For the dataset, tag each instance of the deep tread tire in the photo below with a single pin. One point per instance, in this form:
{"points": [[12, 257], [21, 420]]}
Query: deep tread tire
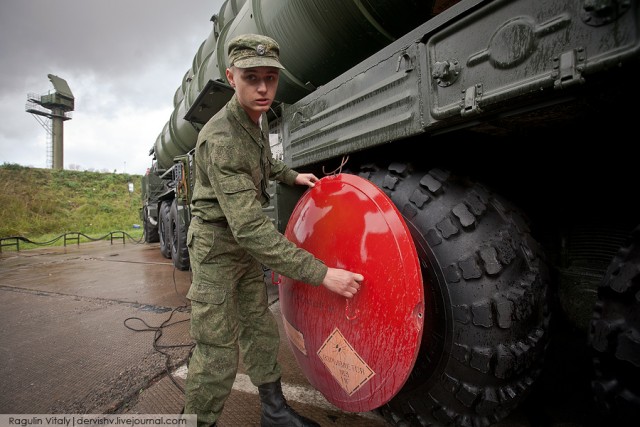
{"points": [[486, 291], [614, 336], [150, 231], [164, 227], [178, 239]]}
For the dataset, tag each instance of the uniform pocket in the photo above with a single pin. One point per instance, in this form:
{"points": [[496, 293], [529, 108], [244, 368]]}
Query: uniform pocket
{"points": [[236, 183], [221, 247], [211, 323], [209, 276], [190, 237], [205, 292], [201, 242]]}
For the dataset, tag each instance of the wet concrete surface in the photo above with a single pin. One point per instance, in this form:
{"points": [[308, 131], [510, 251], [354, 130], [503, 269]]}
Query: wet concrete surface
{"points": [[103, 328]]}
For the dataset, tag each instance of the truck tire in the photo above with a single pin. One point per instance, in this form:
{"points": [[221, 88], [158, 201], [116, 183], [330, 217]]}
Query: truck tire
{"points": [[178, 239], [150, 231], [164, 225], [614, 337], [486, 300]]}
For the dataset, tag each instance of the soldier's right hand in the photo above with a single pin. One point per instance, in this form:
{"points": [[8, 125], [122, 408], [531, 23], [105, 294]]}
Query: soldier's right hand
{"points": [[342, 282]]}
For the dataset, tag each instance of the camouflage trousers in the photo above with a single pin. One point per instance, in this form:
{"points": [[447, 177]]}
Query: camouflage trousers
{"points": [[230, 318]]}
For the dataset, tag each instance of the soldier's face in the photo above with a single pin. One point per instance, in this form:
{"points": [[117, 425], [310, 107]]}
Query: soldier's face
{"points": [[255, 88]]}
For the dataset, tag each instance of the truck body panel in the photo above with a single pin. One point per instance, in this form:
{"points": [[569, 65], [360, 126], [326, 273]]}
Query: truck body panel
{"points": [[489, 61]]}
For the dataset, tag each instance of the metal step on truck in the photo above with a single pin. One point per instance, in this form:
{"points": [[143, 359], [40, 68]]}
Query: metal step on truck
{"points": [[492, 141]]}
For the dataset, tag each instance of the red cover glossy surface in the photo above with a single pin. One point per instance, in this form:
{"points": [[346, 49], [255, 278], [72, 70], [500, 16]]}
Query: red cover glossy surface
{"points": [[357, 352]]}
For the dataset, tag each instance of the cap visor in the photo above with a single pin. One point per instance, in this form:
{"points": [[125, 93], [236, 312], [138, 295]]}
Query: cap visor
{"points": [[258, 62]]}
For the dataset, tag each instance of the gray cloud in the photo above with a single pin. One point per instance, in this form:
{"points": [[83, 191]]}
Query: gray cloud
{"points": [[123, 60]]}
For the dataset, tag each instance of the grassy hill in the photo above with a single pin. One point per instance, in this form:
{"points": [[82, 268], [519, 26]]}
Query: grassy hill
{"points": [[41, 204]]}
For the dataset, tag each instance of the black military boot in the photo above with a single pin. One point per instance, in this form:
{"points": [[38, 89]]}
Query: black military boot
{"points": [[276, 412]]}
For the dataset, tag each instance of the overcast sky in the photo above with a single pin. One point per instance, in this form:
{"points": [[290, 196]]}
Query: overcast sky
{"points": [[123, 61]]}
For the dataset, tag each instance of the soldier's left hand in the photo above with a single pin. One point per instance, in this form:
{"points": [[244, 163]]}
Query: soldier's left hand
{"points": [[308, 179]]}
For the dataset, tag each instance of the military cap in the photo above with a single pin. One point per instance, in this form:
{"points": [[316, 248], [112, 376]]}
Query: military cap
{"points": [[254, 50]]}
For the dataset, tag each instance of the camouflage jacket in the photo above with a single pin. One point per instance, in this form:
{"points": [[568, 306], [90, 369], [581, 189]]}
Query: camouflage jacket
{"points": [[234, 165]]}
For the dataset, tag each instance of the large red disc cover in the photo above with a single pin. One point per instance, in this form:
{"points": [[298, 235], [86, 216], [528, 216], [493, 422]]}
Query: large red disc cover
{"points": [[357, 352]]}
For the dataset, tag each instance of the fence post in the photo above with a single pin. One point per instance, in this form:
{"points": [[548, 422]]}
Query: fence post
{"points": [[16, 243], [77, 238], [118, 237]]}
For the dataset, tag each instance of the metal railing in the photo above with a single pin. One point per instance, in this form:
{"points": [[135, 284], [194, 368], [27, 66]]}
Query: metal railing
{"points": [[74, 236]]}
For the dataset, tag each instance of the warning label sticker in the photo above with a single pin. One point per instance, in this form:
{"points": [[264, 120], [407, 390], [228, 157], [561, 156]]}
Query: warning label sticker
{"points": [[295, 336], [344, 364]]}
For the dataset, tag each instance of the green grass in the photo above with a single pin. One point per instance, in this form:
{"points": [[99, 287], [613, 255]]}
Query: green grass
{"points": [[45, 205]]}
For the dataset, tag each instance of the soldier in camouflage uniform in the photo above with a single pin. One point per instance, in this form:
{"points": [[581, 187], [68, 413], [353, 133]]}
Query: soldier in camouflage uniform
{"points": [[230, 238]]}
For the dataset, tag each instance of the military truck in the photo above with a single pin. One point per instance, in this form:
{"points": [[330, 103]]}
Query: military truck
{"points": [[502, 132]]}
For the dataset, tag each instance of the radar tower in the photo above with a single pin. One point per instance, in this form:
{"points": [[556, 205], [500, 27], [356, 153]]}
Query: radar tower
{"points": [[60, 102]]}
